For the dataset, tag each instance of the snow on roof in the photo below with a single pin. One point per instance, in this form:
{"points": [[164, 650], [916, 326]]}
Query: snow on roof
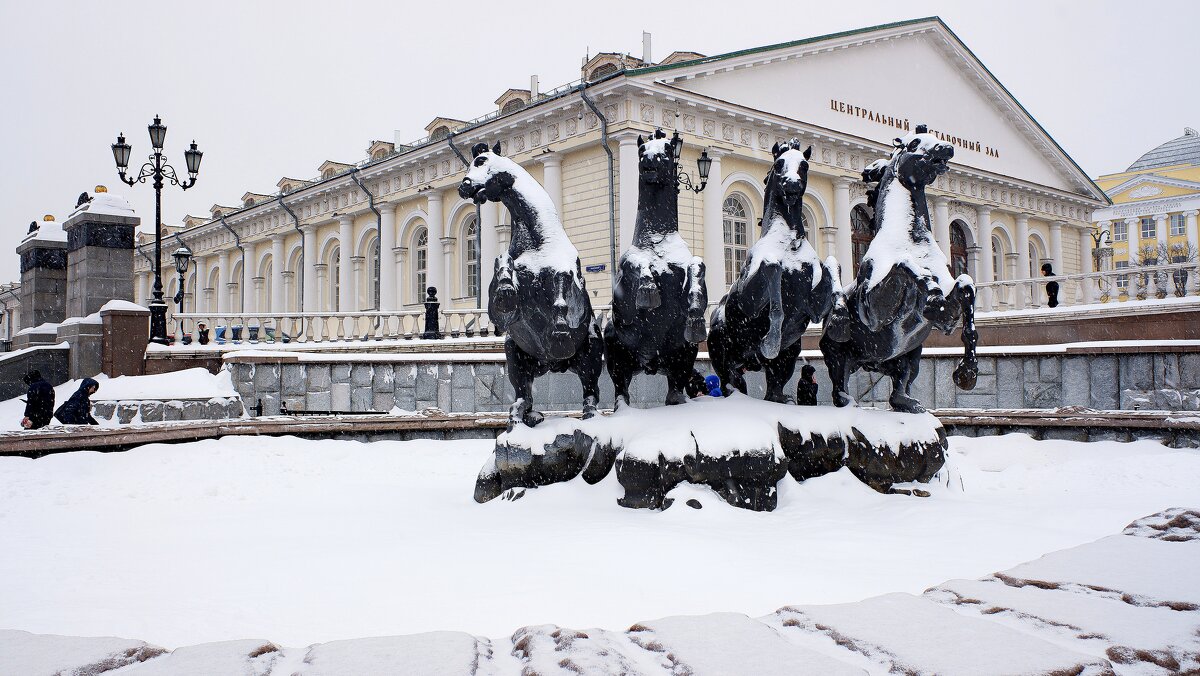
{"points": [[105, 204], [117, 304], [48, 327]]}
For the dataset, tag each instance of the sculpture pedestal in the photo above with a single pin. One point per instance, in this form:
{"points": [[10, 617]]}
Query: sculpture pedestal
{"points": [[738, 446]]}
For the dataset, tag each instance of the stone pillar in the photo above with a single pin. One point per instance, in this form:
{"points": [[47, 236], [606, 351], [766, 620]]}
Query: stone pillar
{"points": [[309, 282], [43, 276], [983, 237], [434, 276], [100, 237], [627, 174], [1024, 293], [387, 267], [941, 224], [345, 274], [359, 263], [1133, 229], [841, 221], [1193, 236], [277, 302], [320, 275], [552, 179], [1161, 229], [447, 269], [252, 299], [223, 282], [288, 283], [247, 292], [489, 218], [1056, 248], [123, 349], [200, 264], [714, 230], [400, 254]]}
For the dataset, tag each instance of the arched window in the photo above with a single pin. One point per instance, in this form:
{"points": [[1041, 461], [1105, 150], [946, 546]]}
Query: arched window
{"points": [[329, 173], [860, 234], [1035, 262], [420, 263], [997, 258], [600, 71], [512, 106], [439, 133], [470, 264], [958, 249], [373, 274], [287, 187], [736, 226], [380, 154], [335, 279]]}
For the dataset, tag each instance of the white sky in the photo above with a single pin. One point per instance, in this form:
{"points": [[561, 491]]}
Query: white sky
{"points": [[275, 88]]}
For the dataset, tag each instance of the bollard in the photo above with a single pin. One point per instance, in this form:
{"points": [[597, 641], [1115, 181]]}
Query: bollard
{"points": [[432, 332]]}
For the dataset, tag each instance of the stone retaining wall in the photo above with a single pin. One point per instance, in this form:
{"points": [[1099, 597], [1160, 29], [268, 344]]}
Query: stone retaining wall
{"points": [[156, 410], [1108, 379]]}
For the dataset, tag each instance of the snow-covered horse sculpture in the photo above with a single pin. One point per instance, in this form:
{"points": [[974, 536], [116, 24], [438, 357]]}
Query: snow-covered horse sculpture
{"points": [[782, 287], [904, 288], [659, 297], [537, 296]]}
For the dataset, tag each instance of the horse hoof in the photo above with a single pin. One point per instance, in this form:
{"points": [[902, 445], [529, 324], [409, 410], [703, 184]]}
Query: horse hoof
{"points": [[781, 398], [532, 419], [906, 404], [589, 412], [842, 400], [676, 398], [695, 331]]}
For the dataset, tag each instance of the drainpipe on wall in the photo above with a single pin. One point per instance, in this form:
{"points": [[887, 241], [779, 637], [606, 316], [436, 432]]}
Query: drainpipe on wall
{"points": [[303, 254], [612, 215], [379, 234], [242, 281], [478, 226]]}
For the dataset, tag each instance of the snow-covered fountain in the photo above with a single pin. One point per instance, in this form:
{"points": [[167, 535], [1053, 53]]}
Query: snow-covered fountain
{"points": [[738, 446]]}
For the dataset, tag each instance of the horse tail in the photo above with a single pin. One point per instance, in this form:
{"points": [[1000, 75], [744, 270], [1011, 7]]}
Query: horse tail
{"points": [[968, 369], [769, 347]]}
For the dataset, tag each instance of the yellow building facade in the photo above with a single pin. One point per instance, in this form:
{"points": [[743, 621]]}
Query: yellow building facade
{"points": [[375, 232]]}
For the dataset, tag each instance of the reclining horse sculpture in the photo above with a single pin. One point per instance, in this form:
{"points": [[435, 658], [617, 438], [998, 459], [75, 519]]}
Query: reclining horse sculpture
{"points": [[903, 289], [537, 296], [659, 297], [781, 288]]}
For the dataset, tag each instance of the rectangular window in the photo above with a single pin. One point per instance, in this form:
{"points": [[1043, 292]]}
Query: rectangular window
{"points": [[1122, 280], [1120, 231], [1148, 229], [1177, 224]]}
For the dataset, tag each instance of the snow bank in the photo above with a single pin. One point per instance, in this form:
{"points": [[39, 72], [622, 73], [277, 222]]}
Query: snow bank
{"points": [[35, 655], [117, 304]]}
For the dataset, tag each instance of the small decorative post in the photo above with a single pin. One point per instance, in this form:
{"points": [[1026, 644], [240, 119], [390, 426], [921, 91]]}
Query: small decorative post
{"points": [[432, 305]]}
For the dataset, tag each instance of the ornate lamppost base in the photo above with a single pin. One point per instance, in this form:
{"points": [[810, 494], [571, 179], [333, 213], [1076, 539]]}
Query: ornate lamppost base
{"points": [[158, 322]]}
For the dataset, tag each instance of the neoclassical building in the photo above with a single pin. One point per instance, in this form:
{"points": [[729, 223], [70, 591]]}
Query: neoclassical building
{"points": [[1154, 205], [373, 232]]}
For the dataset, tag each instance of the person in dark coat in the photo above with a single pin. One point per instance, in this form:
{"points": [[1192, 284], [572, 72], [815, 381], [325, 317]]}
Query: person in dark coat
{"points": [[39, 402], [1051, 287], [202, 334], [806, 389], [78, 409]]}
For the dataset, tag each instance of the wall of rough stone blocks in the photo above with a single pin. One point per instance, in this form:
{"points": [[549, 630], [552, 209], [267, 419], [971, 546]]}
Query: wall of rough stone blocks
{"points": [[1101, 381]]}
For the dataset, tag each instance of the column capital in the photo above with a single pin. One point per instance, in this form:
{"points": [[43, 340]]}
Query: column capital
{"points": [[1132, 220], [941, 201], [983, 210], [1057, 225], [628, 137], [549, 158], [842, 182], [1159, 218], [1022, 217], [1192, 213], [358, 261], [717, 153], [399, 253], [287, 275], [432, 195], [448, 243]]}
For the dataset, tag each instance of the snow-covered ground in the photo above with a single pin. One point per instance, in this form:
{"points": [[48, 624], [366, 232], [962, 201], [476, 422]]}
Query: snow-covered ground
{"points": [[309, 541]]}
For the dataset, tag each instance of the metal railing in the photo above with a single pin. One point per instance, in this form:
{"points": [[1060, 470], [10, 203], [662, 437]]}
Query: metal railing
{"points": [[1123, 285]]}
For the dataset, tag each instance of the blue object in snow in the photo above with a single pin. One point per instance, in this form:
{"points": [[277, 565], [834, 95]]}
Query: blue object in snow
{"points": [[713, 383]]}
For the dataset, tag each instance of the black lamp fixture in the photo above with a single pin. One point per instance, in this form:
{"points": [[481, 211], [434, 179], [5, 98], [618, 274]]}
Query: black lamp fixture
{"points": [[159, 172], [182, 257], [703, 165]]}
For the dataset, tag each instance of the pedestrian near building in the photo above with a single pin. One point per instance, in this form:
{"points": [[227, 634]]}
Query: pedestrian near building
{"points": [[78, 409], [39, 402], [1051, 287], [202, 333], [806, 389]]}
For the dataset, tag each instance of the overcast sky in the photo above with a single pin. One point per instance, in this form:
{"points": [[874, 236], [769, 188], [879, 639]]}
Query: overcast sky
{"points": [[274, 88]]}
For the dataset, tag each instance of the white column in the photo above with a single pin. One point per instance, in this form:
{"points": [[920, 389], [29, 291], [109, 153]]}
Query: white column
{"points": [[398, 290], [489, 218], [841, 221], [1193, 236], [311, 285], [552, 179], [144, 287], [1133, 228], [387, 267], [983, 237], [1022, 260], [627, 165], [277, 302], [941, 224], [1160, 229], [249, 272], [345, 268], [321, 293], [222, 289], [252, 298], [1056, 248], [1085, 264], [714, 231], [434, 276], [360, 276], [447, 271]]}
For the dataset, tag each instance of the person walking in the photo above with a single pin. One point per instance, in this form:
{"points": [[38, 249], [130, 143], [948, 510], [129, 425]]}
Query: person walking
{"points": [[1051, 287], [806, 389], [78, 409], [39, 401]]}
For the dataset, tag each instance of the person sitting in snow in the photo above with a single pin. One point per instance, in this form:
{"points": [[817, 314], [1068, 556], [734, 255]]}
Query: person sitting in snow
{"points": [[78, 409], [39, 402], [806, 389]]}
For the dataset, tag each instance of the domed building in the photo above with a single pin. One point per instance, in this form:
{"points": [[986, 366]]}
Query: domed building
{"points": [[1155, 202]]}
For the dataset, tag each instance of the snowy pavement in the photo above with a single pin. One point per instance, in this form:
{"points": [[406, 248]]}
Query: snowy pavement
{"points": [[319, 543]]}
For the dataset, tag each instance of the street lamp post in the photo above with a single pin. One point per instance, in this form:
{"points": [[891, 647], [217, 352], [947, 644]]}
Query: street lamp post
{"points": [[182, 257], [158, 170], [703, 165]]}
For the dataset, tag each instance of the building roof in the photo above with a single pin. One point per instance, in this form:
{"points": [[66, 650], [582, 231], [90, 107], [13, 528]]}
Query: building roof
{"points": [[1182, 150]]}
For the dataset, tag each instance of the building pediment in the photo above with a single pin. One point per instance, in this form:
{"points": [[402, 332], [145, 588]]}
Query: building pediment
{"points": [[251, 198], [872, 83], [329, 168], [287, 185], [441, 127], [380, 149], [218, 210], [1150, 186]]}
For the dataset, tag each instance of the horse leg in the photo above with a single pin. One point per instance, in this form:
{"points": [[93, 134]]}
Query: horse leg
{"points": [[621, 364], [524, 369], [779, 371], [696, 292], [968, 369], [772, 341], [727, 369], [679, 367], [837, 362], [903, 370], [588, 365]]}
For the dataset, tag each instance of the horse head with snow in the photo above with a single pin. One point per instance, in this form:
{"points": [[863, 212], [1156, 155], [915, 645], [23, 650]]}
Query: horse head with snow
{"points": [[537, 296], [904, 288], [659, 297], [781, 288]]}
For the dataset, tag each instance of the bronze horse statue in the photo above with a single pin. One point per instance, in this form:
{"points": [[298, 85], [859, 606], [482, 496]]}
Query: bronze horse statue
{"points": [[537, 297], [904, 288], [781, 288], [659, 296]]}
